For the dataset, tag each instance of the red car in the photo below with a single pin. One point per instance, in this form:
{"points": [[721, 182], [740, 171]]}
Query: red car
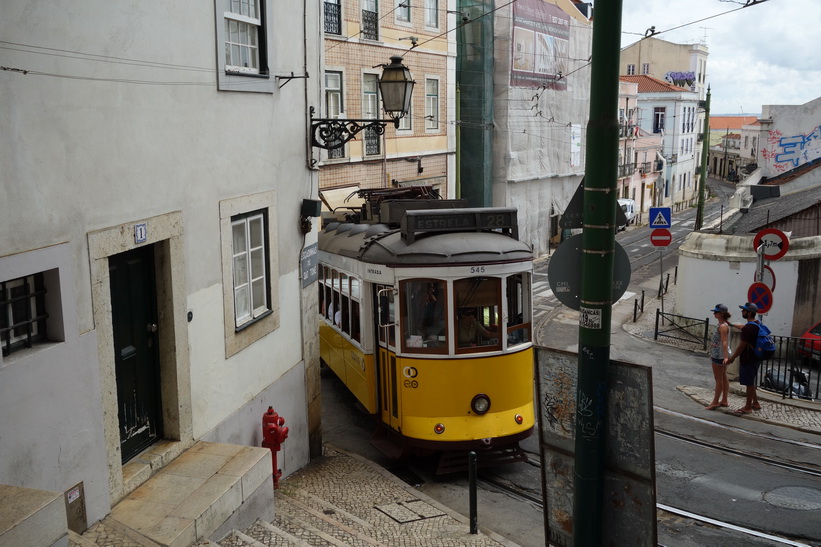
{"points": [[809, 346]]}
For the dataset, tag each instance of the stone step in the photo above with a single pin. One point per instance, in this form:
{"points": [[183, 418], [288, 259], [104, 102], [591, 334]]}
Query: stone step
{"points": [[332, 521]]}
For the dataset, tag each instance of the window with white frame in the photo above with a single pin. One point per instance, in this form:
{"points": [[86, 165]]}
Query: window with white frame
{"points": [[405, 121], [631, 70], [432, 13], [242, 39], [645, 68], [334, 105], [431, 103], [249, 266], [22, 312], [370, 110], [243, 24], [403, 12], [659, 114]]}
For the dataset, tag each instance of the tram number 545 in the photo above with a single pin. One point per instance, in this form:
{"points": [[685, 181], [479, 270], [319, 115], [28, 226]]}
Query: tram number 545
{"points": [[477, 269]]}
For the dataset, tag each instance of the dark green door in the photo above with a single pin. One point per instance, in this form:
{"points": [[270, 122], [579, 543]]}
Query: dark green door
{"points": [[134, 317]]}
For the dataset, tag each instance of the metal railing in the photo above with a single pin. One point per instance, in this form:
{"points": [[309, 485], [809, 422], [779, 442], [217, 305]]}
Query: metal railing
{"points": [[333, 18], [680, 327], [370, 25], [794, 371]]}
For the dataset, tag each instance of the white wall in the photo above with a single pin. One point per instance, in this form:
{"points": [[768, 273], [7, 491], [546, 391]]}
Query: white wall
{"points": [[715, 268], [118, 118]]}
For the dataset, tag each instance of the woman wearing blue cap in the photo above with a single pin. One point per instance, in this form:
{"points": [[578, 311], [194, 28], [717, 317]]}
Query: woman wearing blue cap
{"points": [[719, 356]]}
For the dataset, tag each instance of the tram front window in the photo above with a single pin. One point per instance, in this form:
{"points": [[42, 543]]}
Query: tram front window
{"points": [[477, 301], [423, 315]]}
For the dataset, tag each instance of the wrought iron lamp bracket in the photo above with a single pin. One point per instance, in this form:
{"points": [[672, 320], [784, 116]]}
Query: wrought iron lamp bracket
{"points": [[331, 133]]}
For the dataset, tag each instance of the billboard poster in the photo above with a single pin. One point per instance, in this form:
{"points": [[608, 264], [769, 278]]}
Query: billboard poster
{"points": [[541, 45]]}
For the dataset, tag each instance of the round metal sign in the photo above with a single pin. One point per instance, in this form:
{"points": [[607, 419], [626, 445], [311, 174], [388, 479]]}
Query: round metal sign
{"points": [[767, 277], [564, 272], [775, 243], [760, 295]]}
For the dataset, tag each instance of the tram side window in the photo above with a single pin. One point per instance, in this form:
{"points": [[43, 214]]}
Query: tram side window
{"points": [[518, 309], [423, 315], [344, 321], [356, 332], [477, 301]]}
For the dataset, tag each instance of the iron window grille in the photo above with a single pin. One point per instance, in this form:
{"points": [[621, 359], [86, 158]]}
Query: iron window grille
{"points": [[333, 17], [22, 312]]}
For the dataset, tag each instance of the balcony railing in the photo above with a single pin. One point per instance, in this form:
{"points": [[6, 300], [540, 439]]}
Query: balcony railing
{"points": [[333, 18], [627, 169], [626, 130], [370, 25]]}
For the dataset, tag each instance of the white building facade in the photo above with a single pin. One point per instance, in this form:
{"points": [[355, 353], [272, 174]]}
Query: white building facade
{"points": [[671, 112], [153, 171]]}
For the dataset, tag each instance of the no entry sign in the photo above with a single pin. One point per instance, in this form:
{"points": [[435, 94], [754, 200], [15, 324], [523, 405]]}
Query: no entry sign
{"points": [[661, 237]]}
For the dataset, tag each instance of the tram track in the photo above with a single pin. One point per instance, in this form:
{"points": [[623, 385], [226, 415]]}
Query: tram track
{"points": [[490, 481]]}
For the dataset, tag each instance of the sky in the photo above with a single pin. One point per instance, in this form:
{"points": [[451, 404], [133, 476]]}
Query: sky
{"points": [[765, 53]]}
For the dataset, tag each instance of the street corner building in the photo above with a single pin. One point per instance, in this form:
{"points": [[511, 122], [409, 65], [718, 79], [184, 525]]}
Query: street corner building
{"points": [[151, 300]]}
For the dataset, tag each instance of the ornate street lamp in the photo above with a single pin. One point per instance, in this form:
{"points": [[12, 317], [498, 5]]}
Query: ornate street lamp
{"points": [[396, 88]]}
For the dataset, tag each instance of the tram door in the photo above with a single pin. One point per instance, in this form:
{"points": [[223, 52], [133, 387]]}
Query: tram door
{"points": [[388, 373]]}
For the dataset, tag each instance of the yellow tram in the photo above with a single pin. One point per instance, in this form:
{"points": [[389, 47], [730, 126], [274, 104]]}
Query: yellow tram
{"points": [[425, 315]]}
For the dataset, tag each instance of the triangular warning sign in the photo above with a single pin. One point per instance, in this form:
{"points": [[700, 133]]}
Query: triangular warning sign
{"points": [[659, 221]]}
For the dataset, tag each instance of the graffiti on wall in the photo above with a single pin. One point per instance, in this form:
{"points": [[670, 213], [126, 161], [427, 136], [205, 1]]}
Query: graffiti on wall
{"points": [[786, 153], [682, 79]]}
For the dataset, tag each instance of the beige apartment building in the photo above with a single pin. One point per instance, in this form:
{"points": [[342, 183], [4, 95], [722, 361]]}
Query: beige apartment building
{"points": [[361, 35]]}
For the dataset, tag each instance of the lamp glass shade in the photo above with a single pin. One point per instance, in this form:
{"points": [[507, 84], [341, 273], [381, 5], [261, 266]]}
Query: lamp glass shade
{"points": [[396, 87]]}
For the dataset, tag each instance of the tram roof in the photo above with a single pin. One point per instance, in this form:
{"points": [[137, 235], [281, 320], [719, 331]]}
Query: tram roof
{"points": [[381, 244]]}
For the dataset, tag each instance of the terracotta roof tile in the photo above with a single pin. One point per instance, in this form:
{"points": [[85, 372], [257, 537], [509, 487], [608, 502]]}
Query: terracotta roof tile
{"points": [[648, 84], [730, 122]]}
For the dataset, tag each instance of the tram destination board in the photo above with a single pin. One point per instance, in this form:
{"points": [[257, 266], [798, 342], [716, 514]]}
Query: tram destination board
{"points": [[459, 220]]}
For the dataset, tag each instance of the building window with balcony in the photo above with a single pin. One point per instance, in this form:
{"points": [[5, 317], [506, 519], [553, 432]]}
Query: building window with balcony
{"points": [[659, 113], [432, 13], [645, 68], [403, 11], [370, 110], [333, 17], [370, 20], [431, 103], [334, 105], [631, 70]]}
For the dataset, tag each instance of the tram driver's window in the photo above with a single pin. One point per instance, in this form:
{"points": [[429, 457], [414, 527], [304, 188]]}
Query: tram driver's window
{"points": [[423, 315], [518, 309], [478, 320]]}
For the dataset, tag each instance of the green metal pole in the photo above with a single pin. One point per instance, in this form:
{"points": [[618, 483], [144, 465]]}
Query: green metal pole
{"points": [[705, 151], [598, 248], [458, 144]]}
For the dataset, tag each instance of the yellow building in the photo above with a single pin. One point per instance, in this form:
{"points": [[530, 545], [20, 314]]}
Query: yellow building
{"points": [[359, 37]]}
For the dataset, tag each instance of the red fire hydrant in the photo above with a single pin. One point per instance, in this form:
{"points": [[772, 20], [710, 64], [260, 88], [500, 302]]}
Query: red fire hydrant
{"points": [[274, 434]]}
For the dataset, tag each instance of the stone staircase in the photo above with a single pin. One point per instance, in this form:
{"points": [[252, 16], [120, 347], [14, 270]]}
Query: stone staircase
{"points": [[337, 500]]}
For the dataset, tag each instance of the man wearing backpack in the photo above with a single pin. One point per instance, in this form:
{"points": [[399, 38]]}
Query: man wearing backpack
{"points": [[748, 366]]}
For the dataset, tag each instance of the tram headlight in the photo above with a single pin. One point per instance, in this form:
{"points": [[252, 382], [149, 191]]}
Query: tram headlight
{"points": [[439, 429], [480, 404], [519, 419]]}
